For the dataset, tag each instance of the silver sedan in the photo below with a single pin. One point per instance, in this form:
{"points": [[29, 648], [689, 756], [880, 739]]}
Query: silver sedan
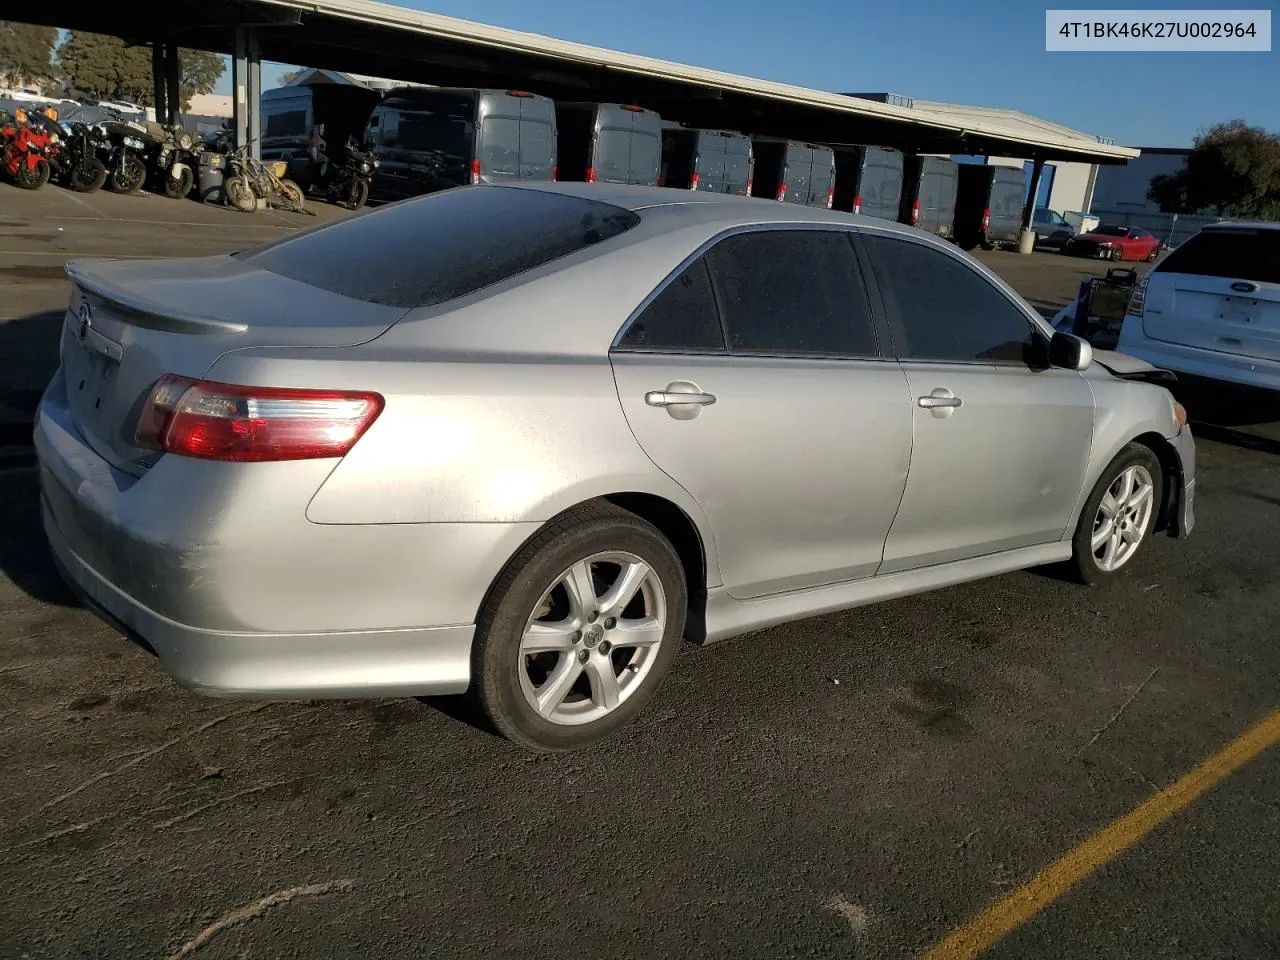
{"points": [[520, 440]]}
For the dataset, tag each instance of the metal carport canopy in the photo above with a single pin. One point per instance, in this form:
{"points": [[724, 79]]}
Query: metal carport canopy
{"points": [[384, 40]]}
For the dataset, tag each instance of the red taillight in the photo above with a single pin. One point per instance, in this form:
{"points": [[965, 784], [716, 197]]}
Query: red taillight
{"points": [[915, 212], [632, 107], [520, 93], [555, 169], [223, 421], [857, 203], [693, 182], [831, 196], [986, 218], [591, 174], [782, 192], [750, 183], [475, 170]]}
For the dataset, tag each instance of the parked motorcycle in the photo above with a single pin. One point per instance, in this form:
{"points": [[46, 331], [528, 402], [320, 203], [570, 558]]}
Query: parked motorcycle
{"points": [[247, 180], [126, 171], [345, 182], [26, 153], [172, 159], [82, 166]]}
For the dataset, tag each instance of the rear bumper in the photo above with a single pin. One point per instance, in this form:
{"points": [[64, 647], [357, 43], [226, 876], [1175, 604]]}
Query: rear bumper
{"points": [[220, 573], [381, 663], [1195, 362]]}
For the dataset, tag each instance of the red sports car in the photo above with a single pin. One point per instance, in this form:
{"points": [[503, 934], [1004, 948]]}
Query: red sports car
{"points": [[1109, 242]]}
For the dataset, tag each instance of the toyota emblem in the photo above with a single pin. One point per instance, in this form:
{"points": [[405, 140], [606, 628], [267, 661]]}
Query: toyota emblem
{"points": [[85, 313]]}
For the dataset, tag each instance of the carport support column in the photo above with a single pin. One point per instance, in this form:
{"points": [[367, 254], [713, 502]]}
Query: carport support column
{"points": [[255, 96], [157, 80], [1029, 211], [239, 86], [173, 84]]}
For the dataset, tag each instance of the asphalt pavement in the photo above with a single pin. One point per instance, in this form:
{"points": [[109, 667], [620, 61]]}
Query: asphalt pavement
{"points": [[854, 785]]}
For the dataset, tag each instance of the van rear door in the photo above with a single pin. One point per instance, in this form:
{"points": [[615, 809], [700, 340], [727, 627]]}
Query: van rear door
{"points": [[537, 139], [822, 179], [1008, 191], [797, 171], [881, 184], [1219, 290]]}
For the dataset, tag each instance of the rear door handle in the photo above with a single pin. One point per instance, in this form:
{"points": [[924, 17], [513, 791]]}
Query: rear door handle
{"points": [[933, 402], [663, 398], [940, 402]]}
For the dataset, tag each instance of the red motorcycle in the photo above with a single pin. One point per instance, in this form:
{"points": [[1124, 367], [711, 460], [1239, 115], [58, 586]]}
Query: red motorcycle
{"points": [[26, 154]]}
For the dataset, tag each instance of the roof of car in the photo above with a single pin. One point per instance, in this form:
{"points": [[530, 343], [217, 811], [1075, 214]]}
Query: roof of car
{"points": [[718, 207], [1243, 225]]}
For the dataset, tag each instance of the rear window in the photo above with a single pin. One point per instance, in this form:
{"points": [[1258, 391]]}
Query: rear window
{"points": [[1233, 254], [446, 245]]}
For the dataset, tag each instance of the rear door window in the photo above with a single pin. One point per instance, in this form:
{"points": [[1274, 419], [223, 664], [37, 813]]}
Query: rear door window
{"points": [[1231, 254], [792, 292], [942, 309], [445, 245]]}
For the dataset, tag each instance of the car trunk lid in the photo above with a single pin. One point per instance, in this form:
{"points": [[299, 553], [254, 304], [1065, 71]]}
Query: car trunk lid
{"points": [[1214, 313], [130, 322]]}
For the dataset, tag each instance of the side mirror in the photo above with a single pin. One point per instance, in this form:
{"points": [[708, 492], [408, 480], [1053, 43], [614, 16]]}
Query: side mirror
{"points": [[1069, 352]]}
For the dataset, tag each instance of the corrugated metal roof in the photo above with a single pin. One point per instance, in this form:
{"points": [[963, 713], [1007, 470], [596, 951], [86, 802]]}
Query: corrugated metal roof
{"points": [[1033, 134]]}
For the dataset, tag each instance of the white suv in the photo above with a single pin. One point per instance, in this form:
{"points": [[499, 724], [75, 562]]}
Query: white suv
{"points": [[1211, 307]]}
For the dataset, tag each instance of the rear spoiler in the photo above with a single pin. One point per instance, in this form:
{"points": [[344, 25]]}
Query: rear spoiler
{"points": [[142, 312]]}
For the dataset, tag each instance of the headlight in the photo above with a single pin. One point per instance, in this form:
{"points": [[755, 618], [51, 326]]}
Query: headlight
{"points": [[132, 143], [365, 168], [185, 141], [1179, 413]]}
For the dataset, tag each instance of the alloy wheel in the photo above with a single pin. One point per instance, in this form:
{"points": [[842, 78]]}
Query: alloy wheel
{"points": [[1123, 518], [593, 638]]}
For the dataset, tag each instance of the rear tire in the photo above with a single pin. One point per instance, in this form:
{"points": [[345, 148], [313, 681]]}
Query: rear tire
{"points": [[583, 680], [289, 197], [1118, 516]]}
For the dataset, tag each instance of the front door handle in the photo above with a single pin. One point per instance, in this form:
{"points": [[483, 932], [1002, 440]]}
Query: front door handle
{"points": [[682, 399], [940, 402]]}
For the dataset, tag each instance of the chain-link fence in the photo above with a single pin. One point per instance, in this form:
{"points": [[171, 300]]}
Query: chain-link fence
{"points": [[1171, 228]]}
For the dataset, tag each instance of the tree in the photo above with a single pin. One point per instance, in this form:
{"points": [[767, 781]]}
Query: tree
{"points": [[1233, 170], [105, 68], [26, 53], [286, 78]]}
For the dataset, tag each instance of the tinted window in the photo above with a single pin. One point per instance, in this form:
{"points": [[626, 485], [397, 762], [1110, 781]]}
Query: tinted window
{"points": [[292, 123], [1234, 254], [1107, 231], [420, 130], [434, 248], [792, 291], [682, 317], [942, 309]]}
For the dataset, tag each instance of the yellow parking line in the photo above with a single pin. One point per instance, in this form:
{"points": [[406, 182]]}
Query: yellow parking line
{"points": [[1012, 911]]}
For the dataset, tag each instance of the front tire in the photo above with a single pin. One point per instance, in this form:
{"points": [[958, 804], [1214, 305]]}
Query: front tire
{"points": [[129, 177], [579, 630], [88, 176], [176, 189], [1119, 514], [239, 193], [34, 177], [358, 195], [1117, 254]]}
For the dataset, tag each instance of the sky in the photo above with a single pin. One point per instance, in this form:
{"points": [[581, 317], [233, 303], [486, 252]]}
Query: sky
{"points": [[985, 52]]}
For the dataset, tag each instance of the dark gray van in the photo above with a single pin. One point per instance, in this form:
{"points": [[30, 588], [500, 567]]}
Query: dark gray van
{"points": [[430, 139], [868, 180], [793, 172], [929, 193], [608, 143], [714, 161], [289, 114], [989, 205]]}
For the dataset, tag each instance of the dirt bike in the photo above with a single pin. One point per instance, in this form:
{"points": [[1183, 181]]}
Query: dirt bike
{"points": [[248, 180], [26, 154]]}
